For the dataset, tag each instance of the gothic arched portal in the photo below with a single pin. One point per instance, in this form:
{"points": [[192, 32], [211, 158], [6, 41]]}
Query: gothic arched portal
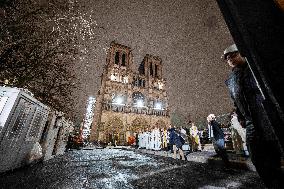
{"points": [[114, 124], [161, 124], [138, 123], [114, 131]]}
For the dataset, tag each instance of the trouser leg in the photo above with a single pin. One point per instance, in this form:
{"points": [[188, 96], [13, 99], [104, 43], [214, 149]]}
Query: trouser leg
{"points": [[181, 154], [266, 157], [221, 151]]}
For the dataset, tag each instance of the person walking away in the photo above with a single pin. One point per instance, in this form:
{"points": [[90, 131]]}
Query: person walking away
{"points": [[177, 144]]}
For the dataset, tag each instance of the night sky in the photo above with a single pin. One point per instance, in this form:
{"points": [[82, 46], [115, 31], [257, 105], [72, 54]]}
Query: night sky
{"points": [[189, 36]]}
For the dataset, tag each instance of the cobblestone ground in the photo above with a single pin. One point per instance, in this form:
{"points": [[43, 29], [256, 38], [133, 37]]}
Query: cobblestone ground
{"points": [[117, 168]]}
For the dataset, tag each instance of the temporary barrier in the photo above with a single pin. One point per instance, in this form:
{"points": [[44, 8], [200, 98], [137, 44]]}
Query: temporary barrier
{"points": [[22, 120]]}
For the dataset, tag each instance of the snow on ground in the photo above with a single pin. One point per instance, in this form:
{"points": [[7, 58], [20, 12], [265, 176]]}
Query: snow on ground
{"points": [[118, 168], [113, 167]]}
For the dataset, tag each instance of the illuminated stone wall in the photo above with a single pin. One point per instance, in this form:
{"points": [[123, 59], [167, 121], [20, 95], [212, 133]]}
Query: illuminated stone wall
{"points": [[129, 101]]}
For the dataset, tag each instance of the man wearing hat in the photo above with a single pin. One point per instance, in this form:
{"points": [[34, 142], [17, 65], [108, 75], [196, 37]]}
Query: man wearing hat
{"points": [[261, 140]]}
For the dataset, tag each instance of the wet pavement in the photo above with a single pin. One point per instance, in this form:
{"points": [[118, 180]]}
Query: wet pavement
{"points": [[120, 168]]}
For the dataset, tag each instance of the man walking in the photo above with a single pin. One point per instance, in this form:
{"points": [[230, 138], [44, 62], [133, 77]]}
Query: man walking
{"points": [[218, 139]]}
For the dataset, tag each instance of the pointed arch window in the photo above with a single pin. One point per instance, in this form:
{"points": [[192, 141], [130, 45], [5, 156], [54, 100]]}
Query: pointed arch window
{"points": [[142, 68], [138, 99], [151, 69], [123, 60], [156, 70], [116, 59]]}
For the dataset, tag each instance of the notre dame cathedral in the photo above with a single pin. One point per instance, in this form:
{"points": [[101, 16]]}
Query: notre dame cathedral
{"points": [[129, 101]]}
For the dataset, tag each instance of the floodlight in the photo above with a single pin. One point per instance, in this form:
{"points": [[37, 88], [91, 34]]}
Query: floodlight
{"points": [[158, 106], [119, 100], [140, 103]]}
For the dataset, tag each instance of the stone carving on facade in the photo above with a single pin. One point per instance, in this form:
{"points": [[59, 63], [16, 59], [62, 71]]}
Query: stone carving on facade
{"points": [[139, 124], [129, 100]]}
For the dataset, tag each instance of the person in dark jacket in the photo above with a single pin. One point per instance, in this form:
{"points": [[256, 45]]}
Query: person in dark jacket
{"points": [[171, 138], [218, 139], [262, 142], [175, 137]]}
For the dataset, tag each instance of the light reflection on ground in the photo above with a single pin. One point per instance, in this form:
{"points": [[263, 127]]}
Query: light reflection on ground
{"points": [[112, 168], [117, 168]]}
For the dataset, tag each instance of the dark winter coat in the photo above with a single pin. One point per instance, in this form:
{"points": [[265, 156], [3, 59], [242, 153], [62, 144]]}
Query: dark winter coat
{"points": [[171, 135], [217, 131], [175, 138], [248, 101]]}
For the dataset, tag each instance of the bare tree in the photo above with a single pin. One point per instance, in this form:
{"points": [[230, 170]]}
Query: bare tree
{"points": [[40, 43]]}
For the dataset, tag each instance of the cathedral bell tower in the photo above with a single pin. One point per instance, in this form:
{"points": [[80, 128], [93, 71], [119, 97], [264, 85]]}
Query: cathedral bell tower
{"points": [[114, 81]]}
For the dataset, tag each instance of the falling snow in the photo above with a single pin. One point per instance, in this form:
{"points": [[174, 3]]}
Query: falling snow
{"points": [[189, 36]]}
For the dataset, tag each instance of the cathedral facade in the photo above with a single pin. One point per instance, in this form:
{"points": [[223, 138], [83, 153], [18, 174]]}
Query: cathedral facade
{"points": [[129, 101]]}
